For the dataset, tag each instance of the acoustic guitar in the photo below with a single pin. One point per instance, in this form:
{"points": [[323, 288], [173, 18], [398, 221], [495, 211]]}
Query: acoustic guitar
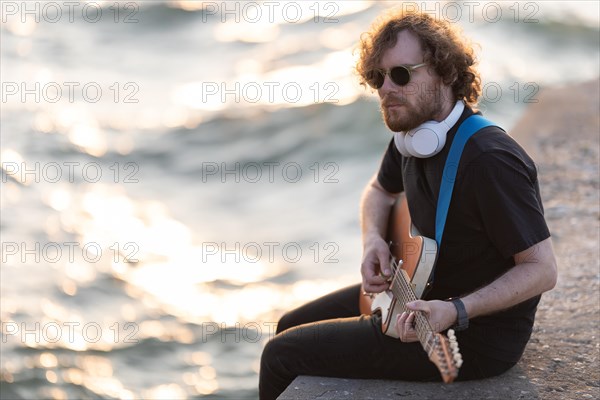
{"points": [[412, 260]]}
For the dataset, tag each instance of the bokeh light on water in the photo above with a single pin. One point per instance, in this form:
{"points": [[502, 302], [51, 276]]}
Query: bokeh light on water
{"points": [[171, 224]]}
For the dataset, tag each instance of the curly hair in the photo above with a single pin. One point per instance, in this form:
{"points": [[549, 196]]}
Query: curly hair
{"points": [[446, 51]]}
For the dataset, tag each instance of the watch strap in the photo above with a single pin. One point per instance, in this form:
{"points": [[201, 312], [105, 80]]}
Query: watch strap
{"points": [[462, 321]]}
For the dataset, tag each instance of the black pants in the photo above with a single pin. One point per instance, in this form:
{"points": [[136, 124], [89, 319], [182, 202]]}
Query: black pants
{"points": [[329, 337]]}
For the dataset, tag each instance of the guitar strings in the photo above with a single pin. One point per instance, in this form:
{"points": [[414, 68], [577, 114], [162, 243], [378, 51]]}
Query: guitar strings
{"points": [[423, 328], [401, 289]]}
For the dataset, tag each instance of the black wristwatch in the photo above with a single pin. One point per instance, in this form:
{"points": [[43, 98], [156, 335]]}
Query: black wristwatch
{"points": [[462, 321]]}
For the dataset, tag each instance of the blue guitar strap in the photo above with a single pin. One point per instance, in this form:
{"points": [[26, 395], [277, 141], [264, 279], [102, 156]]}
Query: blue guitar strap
{"points": [[468, 128]]}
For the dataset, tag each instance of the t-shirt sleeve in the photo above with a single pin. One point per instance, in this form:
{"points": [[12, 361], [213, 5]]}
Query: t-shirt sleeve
{"points": [[390, 171], [508, 199]]}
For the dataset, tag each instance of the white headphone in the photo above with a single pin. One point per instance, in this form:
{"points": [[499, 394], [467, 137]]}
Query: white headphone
{"points": [[427, 139]]}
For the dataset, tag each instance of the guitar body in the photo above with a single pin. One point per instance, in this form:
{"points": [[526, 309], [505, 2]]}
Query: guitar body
{"points": [[418, 254]]}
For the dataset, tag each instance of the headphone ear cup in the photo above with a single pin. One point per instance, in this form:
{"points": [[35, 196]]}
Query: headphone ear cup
{"points": [[425, 141], [429, 138], [399, 141]]}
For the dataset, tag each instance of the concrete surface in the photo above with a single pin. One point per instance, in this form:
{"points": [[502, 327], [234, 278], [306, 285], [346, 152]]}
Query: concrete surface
{"points": [[511, 385]]}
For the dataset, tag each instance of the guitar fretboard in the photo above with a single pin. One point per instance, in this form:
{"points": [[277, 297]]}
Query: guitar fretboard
{"points": [[402, 290]]}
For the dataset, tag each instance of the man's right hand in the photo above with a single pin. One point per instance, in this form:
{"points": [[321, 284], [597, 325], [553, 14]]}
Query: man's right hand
{"points": [[376, 261]]}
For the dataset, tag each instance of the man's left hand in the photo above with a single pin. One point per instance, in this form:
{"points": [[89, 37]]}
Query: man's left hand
{"points": [[441, 315]]}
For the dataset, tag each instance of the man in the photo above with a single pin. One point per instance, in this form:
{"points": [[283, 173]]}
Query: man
{"points": [[496, 254]]}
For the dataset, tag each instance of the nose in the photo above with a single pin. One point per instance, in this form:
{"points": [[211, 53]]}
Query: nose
{"points": [[387, 87]]}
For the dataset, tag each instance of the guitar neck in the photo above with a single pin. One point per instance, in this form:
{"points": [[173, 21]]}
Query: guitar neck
{"points": [[401, 288], [410, 276]]}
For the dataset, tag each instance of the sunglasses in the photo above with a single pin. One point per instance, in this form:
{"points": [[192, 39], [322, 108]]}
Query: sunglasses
{"points": [[400, 75]]}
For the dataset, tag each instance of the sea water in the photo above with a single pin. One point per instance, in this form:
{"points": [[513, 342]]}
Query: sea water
{"points": [[176, 175]]}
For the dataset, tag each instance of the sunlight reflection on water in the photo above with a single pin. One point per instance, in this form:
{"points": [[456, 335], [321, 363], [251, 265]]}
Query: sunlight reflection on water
{"points": [[156, 301]]}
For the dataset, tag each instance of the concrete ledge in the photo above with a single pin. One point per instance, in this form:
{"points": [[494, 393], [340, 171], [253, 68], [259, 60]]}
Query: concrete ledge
{"points": [[512, 385]]}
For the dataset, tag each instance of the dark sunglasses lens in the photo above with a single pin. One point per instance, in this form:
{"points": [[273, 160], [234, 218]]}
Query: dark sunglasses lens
{"points": [[375, 79], [400, 75]]}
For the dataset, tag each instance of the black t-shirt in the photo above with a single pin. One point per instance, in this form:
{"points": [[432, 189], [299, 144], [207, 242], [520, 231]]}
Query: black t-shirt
{"points": [[495, 212]]}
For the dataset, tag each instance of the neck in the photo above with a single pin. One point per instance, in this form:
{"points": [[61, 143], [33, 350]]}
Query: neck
{"points": [[448, 103], [447, 107]]}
